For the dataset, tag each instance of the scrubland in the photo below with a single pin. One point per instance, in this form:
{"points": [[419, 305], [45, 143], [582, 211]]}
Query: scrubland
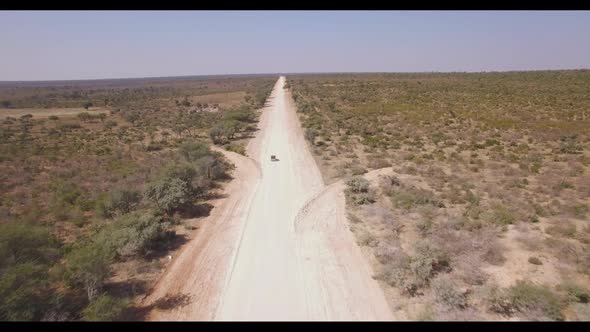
{"points": [[101, 180], [483, 212]]}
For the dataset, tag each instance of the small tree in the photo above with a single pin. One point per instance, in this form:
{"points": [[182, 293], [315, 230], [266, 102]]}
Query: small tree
{"points": [[192, 151], [216, 133], [88, 266], [104, 308], [168, 193], [118, 202], [87, 105], [21, 289]]}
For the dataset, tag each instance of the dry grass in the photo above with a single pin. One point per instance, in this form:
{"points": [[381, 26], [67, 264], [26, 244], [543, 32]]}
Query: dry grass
{"points": [[490, 168]]}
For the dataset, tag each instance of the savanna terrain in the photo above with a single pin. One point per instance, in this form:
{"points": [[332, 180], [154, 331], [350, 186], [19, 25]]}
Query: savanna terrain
{"points": [[468, 192], [102, 181]]}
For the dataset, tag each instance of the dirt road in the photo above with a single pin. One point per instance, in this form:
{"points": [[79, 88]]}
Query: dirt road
{"points": [[283, 251]]}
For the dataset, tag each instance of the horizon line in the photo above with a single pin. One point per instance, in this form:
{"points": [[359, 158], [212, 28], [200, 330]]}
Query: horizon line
{"points": [[290, 73]]}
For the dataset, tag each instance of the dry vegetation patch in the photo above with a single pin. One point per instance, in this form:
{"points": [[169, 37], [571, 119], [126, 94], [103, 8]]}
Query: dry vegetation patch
{"points": [[102, 180], [487, 195]]}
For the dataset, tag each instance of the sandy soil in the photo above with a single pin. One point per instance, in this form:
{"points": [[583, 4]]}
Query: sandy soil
{"points": [[278, 247]]}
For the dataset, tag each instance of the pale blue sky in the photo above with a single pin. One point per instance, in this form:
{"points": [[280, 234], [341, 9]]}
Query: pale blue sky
{"points": [[114, 44]]}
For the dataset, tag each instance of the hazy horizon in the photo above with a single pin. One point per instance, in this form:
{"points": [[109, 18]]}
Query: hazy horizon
{"points": [[294, 73], [98, 45]]}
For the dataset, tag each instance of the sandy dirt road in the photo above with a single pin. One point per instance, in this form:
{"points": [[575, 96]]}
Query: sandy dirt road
{"points": [[283, 251]]}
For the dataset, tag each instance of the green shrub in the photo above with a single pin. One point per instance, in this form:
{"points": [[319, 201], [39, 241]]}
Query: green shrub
{"points": [[310, 135], [446, 292], [237, 148], [410, 274], [217, 134], [241, 114], [168, 193], [358, 184], [358, 170], [363, 198], [213, 167], [427, 314], [407, 198], [576, 293], [134, 234], [23, 289], [104, 308], [88, 266], [570, 147], [499, 214], [84, 116], [534, 302], [427, 261], [118, 202], [563, 184], [193, 150], [397, 273], [67, 192], [424, 226], [563, 228], [225, 131], [580, 210], [22, 241], [359, 192]]}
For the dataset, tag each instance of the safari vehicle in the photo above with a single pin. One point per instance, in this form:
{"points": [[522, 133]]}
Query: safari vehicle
{"points": [[273, 158]]}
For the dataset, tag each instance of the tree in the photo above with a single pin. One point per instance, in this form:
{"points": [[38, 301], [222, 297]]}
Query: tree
{"points": [[6, 104], [104, 308], [22, 241], [230, 128], [22, 289], [87, 105], [102, 117], [132, 234], [216, 133], [118, 202], [27, 250], [192, 150], [88, 266], [242, 114], [168, 193]]}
